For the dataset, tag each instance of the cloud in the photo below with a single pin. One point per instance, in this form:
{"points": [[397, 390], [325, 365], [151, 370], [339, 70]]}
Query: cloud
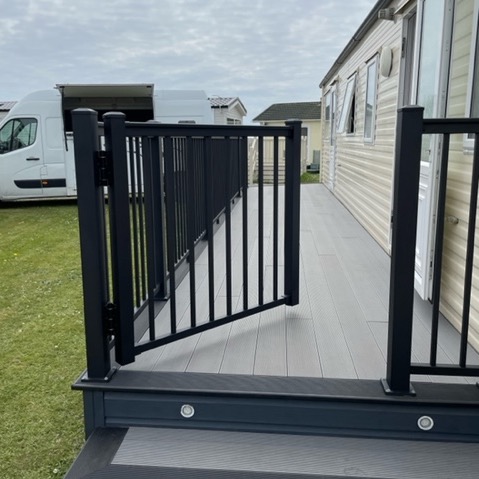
{"points": [[262, 51]]}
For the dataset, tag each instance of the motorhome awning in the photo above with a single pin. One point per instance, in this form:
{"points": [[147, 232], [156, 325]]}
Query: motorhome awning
{"points": [[141, 90]]}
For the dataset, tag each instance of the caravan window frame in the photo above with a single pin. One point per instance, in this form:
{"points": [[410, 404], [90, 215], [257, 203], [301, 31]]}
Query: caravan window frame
{"points": [[327, 106], [473, 75], [374, 84], [346, 123]]}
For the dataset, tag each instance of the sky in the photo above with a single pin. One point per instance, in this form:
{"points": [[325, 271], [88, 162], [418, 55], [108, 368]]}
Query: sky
{"points": [[262, 51]]}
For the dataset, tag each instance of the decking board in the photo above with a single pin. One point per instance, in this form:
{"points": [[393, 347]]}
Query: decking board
{"points": [[339, 329]]}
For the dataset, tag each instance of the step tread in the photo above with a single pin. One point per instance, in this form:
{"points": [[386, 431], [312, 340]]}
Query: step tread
{"points": [[296, 454], [166, 453]]}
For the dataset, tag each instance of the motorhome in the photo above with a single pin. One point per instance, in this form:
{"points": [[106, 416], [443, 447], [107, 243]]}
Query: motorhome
{"points": [[36, 139]]}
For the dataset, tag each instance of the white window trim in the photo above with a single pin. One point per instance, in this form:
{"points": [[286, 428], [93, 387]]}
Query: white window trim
{"points": [[327, 102], [347, 104], [375, 94], [332, 116], [469, 142]]}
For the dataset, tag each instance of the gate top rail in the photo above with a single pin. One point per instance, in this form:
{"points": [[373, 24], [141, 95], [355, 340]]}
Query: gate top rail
{"points": [[192, 130]]}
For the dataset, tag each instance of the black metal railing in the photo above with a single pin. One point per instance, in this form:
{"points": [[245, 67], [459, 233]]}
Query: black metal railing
{"points": [[149, 204], [411, 127]]}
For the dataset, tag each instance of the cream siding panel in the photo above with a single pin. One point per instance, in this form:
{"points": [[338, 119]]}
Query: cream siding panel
{"points": [[220, 115], [364, 170], [234, 114]]}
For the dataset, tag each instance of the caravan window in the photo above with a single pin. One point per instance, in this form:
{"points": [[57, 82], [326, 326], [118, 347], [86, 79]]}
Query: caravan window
{"points": [[370, 105], [18, 133], [327, 107], [346, 120]]}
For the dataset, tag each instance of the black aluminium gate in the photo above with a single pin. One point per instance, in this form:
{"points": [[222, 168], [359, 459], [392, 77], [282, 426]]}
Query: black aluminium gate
{"points": [[150, 201]]}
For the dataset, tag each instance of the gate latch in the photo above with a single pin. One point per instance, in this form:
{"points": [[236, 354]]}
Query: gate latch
{"points": [[103, 170], [110, 318]]}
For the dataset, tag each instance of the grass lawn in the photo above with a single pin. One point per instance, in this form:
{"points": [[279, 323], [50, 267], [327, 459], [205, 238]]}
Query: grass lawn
{"points": [[308, 177], [41, 339]]}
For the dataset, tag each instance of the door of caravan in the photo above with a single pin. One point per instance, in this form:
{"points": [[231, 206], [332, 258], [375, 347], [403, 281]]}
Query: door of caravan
{"points": [[21, 158]]}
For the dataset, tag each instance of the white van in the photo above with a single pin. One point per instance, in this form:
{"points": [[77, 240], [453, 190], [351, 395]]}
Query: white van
{"points": [[36, 140]]}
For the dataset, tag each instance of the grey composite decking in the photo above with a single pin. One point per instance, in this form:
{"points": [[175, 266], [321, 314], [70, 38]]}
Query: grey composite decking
{"points": [[339, 329]]}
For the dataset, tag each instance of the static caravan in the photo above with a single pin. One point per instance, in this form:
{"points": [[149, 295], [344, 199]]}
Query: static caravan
{"points": [[227, 110], [36, 141], [425, 53], [5, 107]]}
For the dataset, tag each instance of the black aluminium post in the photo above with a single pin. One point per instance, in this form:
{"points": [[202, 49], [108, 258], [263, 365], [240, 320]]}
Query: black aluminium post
{"points": [[91, 220], [292, 213], [121, 257], [403, 251]]}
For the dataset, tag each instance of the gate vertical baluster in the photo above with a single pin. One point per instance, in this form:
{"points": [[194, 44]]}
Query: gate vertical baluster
{"points": [[91, 218], [260, 220], [243, 163], [403, 250], [191, 197], [159, 217], [149, 231], [134, 220], [141, 218], [229, 307], [208, 170], [438, 249], [170, 225], [275, 215]]}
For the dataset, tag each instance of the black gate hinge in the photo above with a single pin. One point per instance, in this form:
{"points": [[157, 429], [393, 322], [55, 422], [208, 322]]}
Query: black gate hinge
{"points": [[109, 314], [103, 168]]}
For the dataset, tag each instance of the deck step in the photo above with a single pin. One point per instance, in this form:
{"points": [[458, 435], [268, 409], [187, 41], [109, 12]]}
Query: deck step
{"points": [[145, 452], [284, 405]]}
